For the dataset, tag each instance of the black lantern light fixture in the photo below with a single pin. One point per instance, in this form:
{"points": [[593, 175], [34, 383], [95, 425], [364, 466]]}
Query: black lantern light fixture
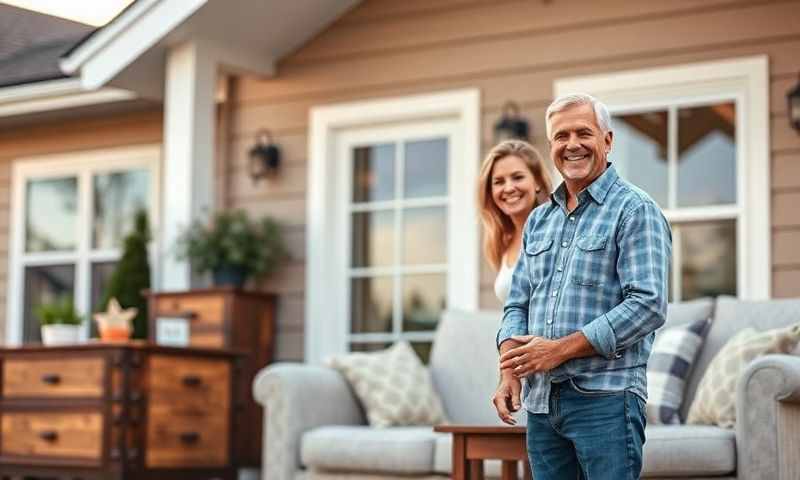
{"points": [[511, 124], [793, 99], [265, 157]]}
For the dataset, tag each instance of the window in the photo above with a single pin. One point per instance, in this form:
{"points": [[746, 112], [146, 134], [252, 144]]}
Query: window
{"points": [[695, 137], [684, 156], [71, 215], [393, 232]]}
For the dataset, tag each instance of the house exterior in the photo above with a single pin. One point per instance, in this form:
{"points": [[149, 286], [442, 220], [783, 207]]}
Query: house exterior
{"points": [[383, 111]]}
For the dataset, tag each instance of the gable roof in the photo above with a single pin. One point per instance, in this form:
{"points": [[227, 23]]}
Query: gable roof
{"points": [[31, 44]]}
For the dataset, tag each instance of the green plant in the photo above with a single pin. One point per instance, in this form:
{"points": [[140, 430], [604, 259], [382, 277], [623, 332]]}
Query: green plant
{"points": [[232, 239], [132, 275], [60, 312]]}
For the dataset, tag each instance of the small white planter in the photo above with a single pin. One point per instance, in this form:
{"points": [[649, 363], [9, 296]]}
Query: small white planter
{"points": [[60, 334]]}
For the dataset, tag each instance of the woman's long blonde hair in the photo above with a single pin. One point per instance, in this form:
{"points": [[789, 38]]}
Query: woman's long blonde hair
{"points": [[498, 229]]}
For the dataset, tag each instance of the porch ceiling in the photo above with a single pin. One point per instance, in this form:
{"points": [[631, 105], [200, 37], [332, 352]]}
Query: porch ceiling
{"points": [[245, 35]]}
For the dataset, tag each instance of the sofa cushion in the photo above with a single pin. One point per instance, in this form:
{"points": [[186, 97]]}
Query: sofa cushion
{"points": [[393, 386], [671, 359], [731, 316], [688, 451], [402, 450], [715, 402], [465, 367], [684, 313]]}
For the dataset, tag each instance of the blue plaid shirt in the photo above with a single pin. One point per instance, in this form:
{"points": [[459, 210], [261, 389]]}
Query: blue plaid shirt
{"points": [[601, 269]]}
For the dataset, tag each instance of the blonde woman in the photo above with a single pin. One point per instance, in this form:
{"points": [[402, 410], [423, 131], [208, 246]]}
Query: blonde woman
{"points": [[513, 181]]}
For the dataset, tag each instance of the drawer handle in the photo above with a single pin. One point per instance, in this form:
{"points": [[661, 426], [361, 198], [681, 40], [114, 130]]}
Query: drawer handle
{"points": [[192, 381], [51, 378], [190, 438], [49, 435]]}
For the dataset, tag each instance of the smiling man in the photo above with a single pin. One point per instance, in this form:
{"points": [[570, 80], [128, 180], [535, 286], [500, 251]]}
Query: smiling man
{"points": [[587, 293]]}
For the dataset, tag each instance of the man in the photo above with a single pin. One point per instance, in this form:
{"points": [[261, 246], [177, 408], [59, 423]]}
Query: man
{"points": [[587, 293]]}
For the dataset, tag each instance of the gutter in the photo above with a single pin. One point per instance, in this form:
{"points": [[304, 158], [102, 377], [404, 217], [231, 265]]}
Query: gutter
{"points": [[55, 95]]}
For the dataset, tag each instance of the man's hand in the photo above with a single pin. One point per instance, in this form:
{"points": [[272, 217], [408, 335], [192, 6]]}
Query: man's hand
{"points": [[506, 397], [536, 354]]}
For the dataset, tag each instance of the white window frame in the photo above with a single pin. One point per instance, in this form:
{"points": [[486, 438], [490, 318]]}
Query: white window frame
{"points": [[81, 165], [744, 80], [326, 322]]}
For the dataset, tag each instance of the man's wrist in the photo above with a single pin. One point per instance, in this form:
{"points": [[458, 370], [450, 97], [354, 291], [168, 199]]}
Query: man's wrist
{"points": [[575, 345]]}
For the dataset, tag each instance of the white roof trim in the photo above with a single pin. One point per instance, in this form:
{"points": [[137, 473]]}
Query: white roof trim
{"points": [[55, 95], [116, 46]]}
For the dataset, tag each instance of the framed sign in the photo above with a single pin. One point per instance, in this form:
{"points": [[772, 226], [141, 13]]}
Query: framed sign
{"points": [[172, 331]]}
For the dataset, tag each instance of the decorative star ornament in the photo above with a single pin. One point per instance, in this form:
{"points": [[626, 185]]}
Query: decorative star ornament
{"points": [[115, 316]]}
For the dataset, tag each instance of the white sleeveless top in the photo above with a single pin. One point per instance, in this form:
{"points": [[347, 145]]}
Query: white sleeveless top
{"points": [[502, 284]]}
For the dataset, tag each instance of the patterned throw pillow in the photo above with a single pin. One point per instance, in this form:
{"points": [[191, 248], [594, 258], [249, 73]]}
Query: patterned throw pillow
{"points": [[393, 386], [715, 401], [674, 351]]}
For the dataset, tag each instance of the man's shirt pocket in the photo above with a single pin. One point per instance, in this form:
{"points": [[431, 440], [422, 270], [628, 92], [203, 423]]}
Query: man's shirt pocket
{"points": [[593, 262]]}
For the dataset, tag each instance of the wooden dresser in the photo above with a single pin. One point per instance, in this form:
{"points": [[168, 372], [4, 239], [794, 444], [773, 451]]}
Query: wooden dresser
{"points": [[117, 411], [230, 319]]}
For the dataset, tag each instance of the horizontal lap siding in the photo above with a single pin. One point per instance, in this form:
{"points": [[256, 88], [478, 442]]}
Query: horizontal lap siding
{"points": [[510, 50], [57, 138]]}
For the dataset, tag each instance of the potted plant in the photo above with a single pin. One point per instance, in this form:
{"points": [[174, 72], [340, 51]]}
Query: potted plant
{"points": [[233, 247], [59, 321]]}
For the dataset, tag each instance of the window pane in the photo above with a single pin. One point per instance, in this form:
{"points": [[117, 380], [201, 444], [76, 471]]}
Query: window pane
{"points": [[373, 239], [117, 198], [423, 350], [50, 217], [425, 235], [101, 274], [708, 252], [44, 285], [373, 173], [423, 301], [369, 347], [639, 152], [426, 168], [371, 305], [707, 155]]}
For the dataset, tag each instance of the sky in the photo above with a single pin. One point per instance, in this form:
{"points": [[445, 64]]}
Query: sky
{"points": [[92, 12]]}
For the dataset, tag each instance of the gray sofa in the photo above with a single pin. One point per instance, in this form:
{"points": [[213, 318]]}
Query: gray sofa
{"points": [[315, 428]]}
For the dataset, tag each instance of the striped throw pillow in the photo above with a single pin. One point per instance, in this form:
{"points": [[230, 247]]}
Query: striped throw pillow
{"points": [[674, 351]]}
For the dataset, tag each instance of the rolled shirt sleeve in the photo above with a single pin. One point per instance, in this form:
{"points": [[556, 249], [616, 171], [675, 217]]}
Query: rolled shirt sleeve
{"points": [[645, 250]]}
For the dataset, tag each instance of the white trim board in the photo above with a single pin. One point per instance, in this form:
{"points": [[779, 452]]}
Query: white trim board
{"points": [[324, 252], [747, 81], [82, 163], [55, 95]]}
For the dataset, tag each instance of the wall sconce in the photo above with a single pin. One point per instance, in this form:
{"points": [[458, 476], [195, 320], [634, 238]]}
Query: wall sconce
{"points": [[511, 124], [793, 99], [265, 157]]}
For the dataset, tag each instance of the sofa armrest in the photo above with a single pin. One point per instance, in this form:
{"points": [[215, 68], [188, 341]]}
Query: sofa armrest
{"points": [[767, 404], [296, 398]]}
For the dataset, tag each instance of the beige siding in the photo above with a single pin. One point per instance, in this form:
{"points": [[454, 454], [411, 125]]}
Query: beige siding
{"points": [[63, 137], [510, 50]]}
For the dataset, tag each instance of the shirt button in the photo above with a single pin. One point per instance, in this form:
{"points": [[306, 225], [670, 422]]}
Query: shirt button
{"points": [[565, 244], [555, 293], [571, 219], [550, 321], [560, 269]]}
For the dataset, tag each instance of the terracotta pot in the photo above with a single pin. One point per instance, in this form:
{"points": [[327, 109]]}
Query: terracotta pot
{"points": [[115, 334]]}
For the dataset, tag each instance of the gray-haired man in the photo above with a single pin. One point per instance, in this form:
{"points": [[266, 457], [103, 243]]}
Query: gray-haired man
{"points": [[587, 293]]}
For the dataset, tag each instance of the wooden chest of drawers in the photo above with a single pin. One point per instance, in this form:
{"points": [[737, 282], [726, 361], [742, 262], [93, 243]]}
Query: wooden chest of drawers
{"points": [[132, 411], [233, 319]]}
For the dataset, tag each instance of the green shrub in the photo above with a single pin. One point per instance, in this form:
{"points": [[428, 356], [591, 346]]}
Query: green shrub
{"points": [[60, 312]]}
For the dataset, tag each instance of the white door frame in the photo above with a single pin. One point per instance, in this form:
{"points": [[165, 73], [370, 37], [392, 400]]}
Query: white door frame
{"points": [[747, 81], [325, 251]]}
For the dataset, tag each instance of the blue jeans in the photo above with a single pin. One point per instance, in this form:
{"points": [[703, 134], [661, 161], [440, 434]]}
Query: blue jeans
{"points": [[588, 435]]}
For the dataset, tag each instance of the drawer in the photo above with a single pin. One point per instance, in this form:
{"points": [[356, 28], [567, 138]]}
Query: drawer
{"points": [[188, 385], [65, 377], [187, 441], [66, 436], [206, 316]]}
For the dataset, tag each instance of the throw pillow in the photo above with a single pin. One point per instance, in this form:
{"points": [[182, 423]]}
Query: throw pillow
{"points": [[393, 386], [671, 358], [715, 401]]}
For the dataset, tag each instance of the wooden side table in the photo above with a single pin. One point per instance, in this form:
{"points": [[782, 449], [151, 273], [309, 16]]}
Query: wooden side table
{"points": [[474, 444]]}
